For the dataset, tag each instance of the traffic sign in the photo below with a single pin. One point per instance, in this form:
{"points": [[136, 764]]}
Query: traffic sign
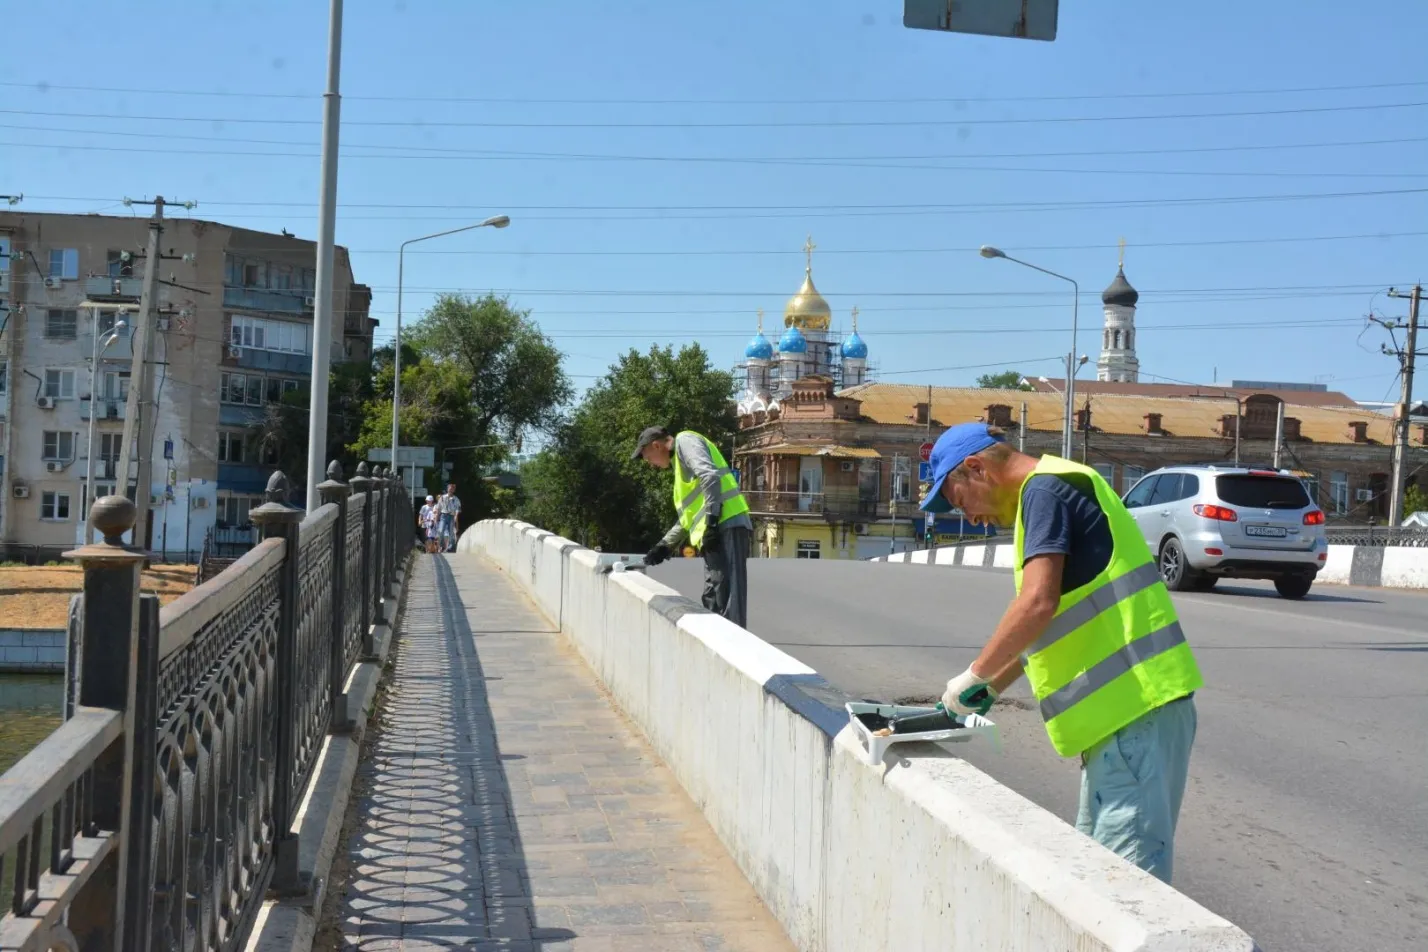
{"points": [[924, 472], [406, 455], [926, 451], [1022, 19]]}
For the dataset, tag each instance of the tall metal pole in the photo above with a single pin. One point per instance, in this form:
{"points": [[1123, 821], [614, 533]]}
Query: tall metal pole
{"points": [[1066, 429], [397, 356], [326, 236], [1401, 425], [1278, 433], [1021, 430], [140, 414], [1071, 364]]}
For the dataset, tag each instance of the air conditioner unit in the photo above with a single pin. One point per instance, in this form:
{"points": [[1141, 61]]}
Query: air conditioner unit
{"points": [[156, 499], [309, 301], [234, 351], [860, 528], [20, 491], [54, 283], [200, 502], [1363, 495], [162, 323], [45, 403], [847, 466], [54, 466]]}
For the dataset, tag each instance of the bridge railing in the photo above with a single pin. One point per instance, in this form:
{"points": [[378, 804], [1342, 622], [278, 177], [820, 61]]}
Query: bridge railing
{"points": [[159, 815], [1378, 535]]}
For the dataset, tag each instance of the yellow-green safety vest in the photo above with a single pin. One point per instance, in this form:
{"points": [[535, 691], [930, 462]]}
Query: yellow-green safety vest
{"points": [[1114, 651], [689, 502]]}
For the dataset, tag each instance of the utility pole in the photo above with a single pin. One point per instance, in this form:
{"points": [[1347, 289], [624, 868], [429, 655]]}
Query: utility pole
{"points": [[326, 236], [1021, 430], [140, 414], [1278, 434], [1401, 425]]}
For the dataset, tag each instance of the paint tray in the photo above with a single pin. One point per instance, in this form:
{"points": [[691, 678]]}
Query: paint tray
{"points": [[866, 717], [606, 562]]}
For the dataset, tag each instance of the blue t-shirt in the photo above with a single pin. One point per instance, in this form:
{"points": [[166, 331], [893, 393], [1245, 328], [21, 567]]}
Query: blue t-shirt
{"points": [[1062, 517]]}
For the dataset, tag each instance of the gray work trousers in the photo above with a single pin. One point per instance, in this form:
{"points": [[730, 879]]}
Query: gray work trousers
{"points": [[726, 576]]}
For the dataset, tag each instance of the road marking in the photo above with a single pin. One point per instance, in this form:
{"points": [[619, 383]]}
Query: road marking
{"points": [[1211, 601]]}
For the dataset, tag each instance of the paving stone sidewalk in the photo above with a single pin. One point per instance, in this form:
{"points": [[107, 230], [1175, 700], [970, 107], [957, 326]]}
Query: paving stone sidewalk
{"points": [[510, 807]]}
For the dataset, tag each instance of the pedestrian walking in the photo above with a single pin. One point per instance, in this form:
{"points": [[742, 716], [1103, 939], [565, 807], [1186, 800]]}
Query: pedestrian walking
{"points": [[712, 514], [1092, 627], [426, 524], [449, 509]]}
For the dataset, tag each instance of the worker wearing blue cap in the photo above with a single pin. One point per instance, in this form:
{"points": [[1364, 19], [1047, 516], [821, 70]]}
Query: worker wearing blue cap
{"points": [[1093, 628]]}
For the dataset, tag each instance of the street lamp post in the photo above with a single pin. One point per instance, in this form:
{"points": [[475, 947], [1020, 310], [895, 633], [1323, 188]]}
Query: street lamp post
{"points": [[987, 251], [120, 326], [498, 221]]}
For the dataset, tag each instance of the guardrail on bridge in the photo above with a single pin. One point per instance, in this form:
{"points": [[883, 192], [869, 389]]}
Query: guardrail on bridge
{"points": [[159, 815]]}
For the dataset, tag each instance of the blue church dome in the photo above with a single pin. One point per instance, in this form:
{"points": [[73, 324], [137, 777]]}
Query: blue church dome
{"points": [[854, 347], [759, 348], [793, 342]]}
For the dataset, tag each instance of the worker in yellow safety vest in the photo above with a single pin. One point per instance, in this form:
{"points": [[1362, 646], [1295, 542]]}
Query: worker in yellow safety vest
{"points": [[712, 515], [1093, 628]]}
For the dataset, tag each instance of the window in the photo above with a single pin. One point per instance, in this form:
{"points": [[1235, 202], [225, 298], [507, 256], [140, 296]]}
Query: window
{"points": [[274, 391], [62, 325], [232, 387], [1167, 489], [255, 390], [1131, 474], [232, 271], [282, 276], [64, 263], [1105, 472], [59, 384], [291, 386], [59, 445], [255, 274], [901, 478], [4, 376], [1339, 491], [1262, 492], [1140, 495], [233, 510], [808, 549], [121, 264], [230, 447], [262, 334], [115, 386], [309, 279], [107, 320], [100, 491], [54, 506]]}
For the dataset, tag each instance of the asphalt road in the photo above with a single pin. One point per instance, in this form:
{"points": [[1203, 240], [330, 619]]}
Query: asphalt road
{"points": [[1306, 821]]}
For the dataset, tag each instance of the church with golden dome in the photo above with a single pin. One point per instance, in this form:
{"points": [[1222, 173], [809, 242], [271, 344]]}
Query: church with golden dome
{"points": [[807, 347]]}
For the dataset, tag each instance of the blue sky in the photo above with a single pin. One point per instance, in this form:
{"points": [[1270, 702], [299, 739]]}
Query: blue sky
{"points": [[662, 164]]}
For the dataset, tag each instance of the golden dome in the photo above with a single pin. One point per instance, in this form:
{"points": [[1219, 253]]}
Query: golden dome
{"points": [[807, 310]]}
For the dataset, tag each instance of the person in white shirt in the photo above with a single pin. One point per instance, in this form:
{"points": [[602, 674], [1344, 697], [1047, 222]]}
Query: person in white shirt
{"points": [[426, 524], [449, 509]]}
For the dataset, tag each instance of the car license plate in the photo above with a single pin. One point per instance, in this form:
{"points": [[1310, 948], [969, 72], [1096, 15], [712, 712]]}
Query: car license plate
{"points": [[1265, 532]]}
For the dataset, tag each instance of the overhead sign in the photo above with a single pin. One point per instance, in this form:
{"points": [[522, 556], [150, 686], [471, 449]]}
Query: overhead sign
{"points": [[925, 451], [1020, 19], [406, 455]]}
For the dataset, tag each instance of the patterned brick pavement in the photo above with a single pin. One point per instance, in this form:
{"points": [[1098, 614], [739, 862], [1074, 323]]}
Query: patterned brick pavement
{"points": [[510, 807]]}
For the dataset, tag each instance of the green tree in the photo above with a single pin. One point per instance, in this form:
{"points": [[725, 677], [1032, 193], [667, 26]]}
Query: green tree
{"points": [[474, 371], [1006, 380], [1415, 499], [585, 486]]}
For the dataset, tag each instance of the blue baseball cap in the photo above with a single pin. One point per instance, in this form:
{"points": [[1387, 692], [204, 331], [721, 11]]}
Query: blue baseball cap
{"points": [[950, 450]]}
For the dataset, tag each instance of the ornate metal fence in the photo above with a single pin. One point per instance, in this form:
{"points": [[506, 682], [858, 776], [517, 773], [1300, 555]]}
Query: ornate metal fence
{"points": [[1377, 535], [159, 815]]}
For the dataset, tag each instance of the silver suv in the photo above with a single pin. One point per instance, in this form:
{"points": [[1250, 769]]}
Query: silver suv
{"points": [[1210, 522]]}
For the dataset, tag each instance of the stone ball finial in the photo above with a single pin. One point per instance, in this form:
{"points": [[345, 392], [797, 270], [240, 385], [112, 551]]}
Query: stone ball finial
{"points": [[113, 516], [362, 469], [334, 471], [277, 487]]}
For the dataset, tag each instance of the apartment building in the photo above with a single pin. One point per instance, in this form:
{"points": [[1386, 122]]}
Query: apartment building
{"points": [[234, 318]]}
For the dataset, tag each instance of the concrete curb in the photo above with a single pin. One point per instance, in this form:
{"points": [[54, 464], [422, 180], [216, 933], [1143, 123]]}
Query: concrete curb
{"points": [[1372, 566], [284, 927]]}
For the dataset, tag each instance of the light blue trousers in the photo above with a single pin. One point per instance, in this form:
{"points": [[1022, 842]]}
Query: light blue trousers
{"points": [[1132, 784]]}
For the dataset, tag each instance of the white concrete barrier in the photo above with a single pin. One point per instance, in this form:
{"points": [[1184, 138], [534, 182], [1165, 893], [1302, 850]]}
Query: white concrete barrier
{"points": [[1374, 566], [921, 854]]}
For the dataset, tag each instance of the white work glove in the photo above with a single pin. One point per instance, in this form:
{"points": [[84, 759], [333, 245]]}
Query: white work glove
{"points": [[969, 693]]}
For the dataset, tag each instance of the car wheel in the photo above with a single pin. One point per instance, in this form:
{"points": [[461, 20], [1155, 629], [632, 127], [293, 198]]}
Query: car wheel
{"points": [[1174, 570], [1205, 582], [1295, 586]]}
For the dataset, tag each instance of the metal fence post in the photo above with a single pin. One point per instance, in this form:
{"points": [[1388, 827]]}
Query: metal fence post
{"points": [[106, 670], [379, 522], [334, 490], [362, 483], [277, 520]]}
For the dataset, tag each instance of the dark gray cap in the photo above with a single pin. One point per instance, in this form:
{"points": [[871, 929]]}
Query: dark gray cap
{"points": [[647, 436]]}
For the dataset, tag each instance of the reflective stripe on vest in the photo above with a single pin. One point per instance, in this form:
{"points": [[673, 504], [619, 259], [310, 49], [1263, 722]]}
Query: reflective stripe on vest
{"points": [[1114, 650], [689, 501]]}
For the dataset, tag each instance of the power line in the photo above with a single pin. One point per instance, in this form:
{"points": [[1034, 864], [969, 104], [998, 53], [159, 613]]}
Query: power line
{"points": [[46, 87], [782, 124]]}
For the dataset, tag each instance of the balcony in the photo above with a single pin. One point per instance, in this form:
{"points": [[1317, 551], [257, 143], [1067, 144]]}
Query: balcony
{"points": [[791, 502], [251, 358], [101, 287], [108, 408], [245, 477], [271, 301], [231, 414]]}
